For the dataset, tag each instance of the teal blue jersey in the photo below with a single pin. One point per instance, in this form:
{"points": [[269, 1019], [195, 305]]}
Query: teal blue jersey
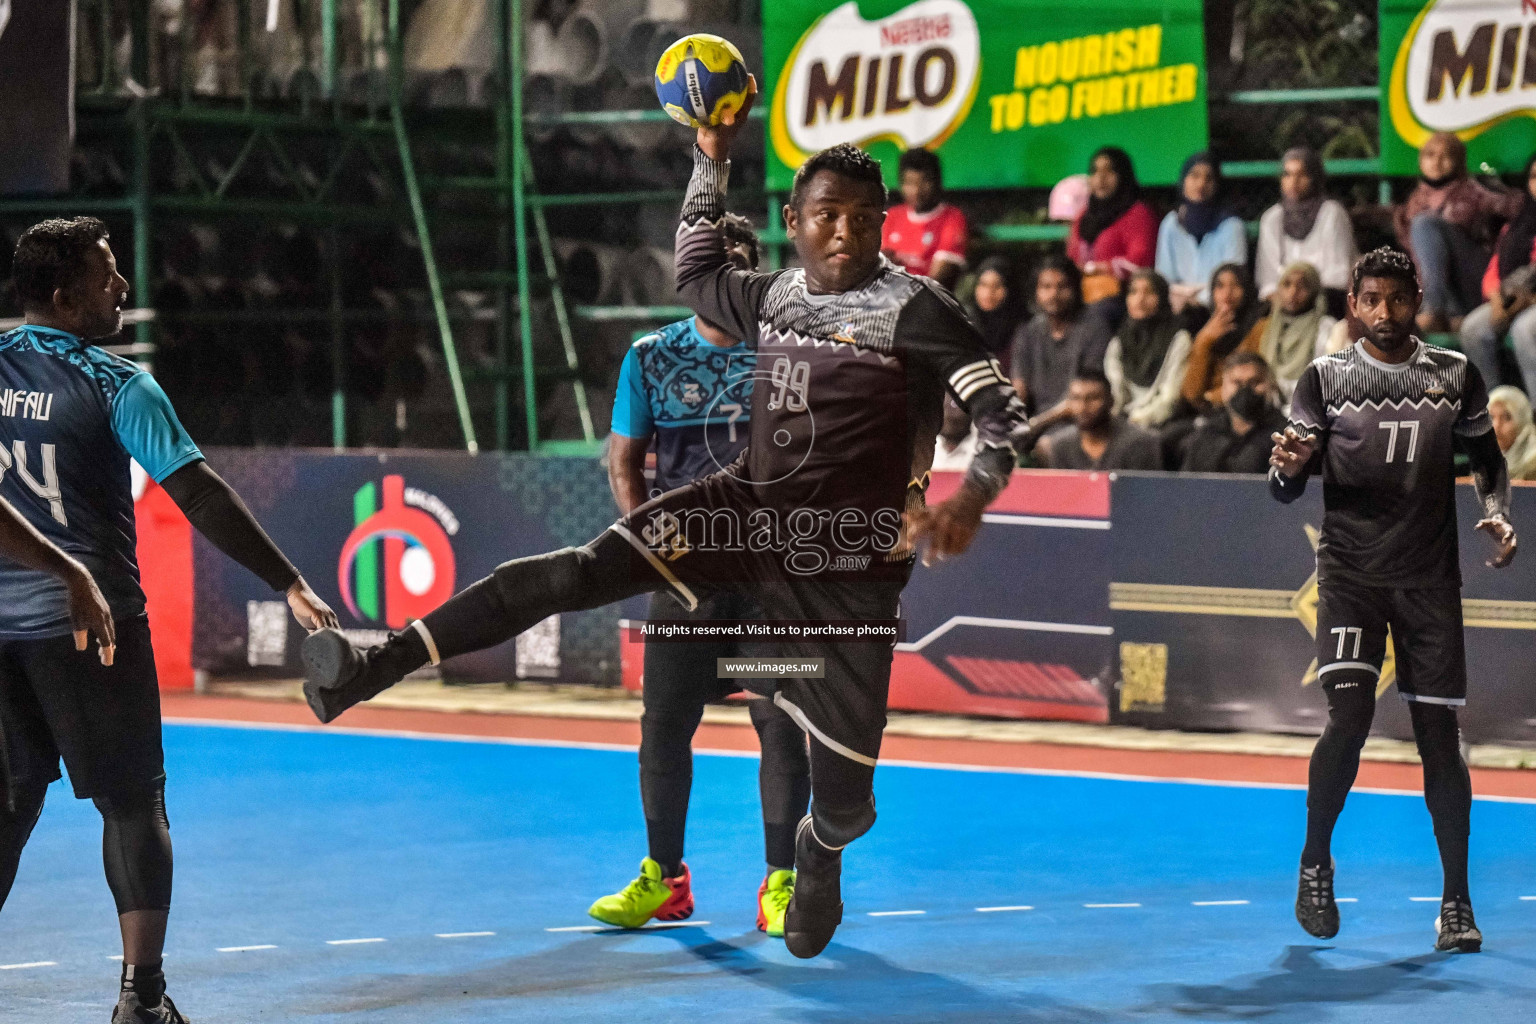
{"points": [[72, 416]]}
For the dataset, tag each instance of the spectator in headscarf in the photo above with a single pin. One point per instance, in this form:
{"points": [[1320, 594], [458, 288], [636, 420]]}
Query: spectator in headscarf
{"points": [[1448, 224], [1199, 236], [1236, 324], [1510, 288], [1116, 235], [1511, 413], [1146, 360], [1305, 226], [1298, 327], [997, 306]]}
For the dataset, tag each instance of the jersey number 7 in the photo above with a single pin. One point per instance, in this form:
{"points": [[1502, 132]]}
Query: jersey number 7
{"points": [[48, 490], [1412, 443]]}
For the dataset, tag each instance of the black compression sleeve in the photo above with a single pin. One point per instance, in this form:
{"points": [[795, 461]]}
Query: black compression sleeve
{"points": [[1490, 473], [217, 512], [1286, 489]]}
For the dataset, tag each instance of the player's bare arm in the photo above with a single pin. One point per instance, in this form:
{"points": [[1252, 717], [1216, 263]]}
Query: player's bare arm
{"points": [[626, 470]]}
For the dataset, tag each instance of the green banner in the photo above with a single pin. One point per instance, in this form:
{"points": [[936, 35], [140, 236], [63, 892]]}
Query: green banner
{"points": [[1464, 66], [1009, 92]]}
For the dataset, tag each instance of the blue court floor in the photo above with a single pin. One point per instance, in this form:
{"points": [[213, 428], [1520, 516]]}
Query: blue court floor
{"points": [[332, 877]]}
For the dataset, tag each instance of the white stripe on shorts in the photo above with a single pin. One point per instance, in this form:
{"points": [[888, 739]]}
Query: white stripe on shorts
{"points": [[827, 741]]}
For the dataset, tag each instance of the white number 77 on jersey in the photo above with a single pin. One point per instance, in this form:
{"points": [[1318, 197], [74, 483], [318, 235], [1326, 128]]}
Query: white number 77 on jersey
{"points": [[1411, 426]]}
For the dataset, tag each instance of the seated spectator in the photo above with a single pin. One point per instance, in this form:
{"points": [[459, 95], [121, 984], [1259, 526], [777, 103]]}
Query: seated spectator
{"points": [[1511, 413], [1305, 226], [924, 234], [956, 444], [1235, 437], [1448, 225], [1116, 235], [1061, 339], [997, 306], [1199, 236], [1097, 439], [1145, 361], [1509, 287], [1298, 328], [1235, 325]]}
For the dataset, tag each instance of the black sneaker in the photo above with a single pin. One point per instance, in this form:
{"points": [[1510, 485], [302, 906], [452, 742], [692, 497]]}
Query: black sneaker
{"points": [[1315, 908], [1456, 930], [130, 1011], [338, 675], [816, 909]]}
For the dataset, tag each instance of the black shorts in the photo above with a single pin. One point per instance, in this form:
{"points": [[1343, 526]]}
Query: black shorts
{"points": [[103, 721], [679, 673], [1428, 646], [701, 538]]}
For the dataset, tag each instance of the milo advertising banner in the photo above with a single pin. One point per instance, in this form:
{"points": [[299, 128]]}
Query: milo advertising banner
{"points": [[1010, 92], [1463, 66]]}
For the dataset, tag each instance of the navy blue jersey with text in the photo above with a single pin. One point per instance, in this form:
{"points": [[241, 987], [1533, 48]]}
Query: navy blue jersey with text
{"points": [[695, 398], [72, 416]]}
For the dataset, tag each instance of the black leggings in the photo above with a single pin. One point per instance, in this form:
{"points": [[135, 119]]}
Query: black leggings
{"points": [[1336, 763], [135, 844]]}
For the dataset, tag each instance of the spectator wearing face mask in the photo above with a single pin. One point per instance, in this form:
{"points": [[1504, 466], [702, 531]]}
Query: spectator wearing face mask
{"points": [[1298, 328], [1062, 339], [1098, 439], [1448, 224], [924, 234], [1116, 235], [1509, 285], [1199, 236], [1235, 437], [1511, 414], [1146, 359], [1305, 226]]}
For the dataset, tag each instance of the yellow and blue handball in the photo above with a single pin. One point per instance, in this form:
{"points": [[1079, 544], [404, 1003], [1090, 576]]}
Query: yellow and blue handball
{"points": [[699, 78]]}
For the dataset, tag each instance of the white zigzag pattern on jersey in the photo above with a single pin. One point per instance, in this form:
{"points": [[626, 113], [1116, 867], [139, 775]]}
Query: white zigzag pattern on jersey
{"points": [[1397, 404], [782, 336]]}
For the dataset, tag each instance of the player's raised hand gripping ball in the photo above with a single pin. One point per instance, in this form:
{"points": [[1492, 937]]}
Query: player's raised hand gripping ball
{"points": [[700, 78]]}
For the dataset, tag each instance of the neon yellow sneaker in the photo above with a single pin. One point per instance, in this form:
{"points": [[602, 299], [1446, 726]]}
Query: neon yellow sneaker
{"points": [[772, 900], [648, 896]]}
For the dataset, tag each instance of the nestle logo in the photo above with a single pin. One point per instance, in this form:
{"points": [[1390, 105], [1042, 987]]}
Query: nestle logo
{"points": [[921, 30]]}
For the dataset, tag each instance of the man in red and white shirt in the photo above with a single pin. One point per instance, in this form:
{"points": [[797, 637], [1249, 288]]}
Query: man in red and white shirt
{"points": [[925, 235]]}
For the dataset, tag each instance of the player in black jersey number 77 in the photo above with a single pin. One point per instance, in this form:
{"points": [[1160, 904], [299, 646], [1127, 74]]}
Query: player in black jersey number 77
{"points": [[819, 517], [1378, 421]]}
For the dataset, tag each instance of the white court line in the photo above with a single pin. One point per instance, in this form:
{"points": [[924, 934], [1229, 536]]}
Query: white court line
{"points": [[1107, 906], [895, 913], [1346, 899], [995, 910], [350, 942], [654, 926], [462, 935], [35, 963], [1018, 520], [1219, 903], [512, 741], [115, 956], [1423, 899], [242, 949], [1528, 897]]}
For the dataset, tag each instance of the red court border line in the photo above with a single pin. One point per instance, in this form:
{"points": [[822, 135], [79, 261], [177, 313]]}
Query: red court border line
{"points": [[1180, 765]]}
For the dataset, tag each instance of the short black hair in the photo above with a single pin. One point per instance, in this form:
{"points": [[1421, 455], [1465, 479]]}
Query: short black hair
{"points": [[923, 161], [52, 255], [1088, 373], [737, 230], [1384, 262], [1241, 359], [844, 158], [1059, 263]]}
